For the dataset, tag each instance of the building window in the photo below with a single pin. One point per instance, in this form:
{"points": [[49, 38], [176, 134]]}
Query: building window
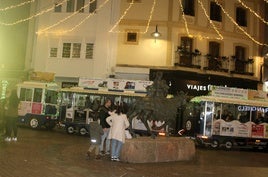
{"points": [[240, 53], [71, 49], [76, 50], [241, 16], [58, 8], [132, 37], [80, 4], [92, 6], [214, 49], [213, 57], [188, 7], [186, 51], [89, 50], [215, 12], [70, 6], [240, 58], [135, 1], [53, 52], [66, 51]]}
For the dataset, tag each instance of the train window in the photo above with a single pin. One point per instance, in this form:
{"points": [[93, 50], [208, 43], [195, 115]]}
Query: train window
{"points": [[37, 95]]}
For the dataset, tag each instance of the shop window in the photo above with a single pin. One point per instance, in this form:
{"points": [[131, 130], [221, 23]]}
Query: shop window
{"points": [[215, 12], [188, 7], [89, 50], [241, 16], [92, 6]]}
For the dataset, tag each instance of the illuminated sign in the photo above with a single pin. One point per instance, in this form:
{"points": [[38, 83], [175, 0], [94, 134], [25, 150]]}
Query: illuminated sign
{"points": [[252, 108]]}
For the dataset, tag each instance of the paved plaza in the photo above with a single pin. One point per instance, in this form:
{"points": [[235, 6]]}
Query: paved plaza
{"points": [[41, 153]]}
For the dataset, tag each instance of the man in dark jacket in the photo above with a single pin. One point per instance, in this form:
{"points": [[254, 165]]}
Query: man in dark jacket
{"points": [[96, 132], [11, 114], [103, 114]]}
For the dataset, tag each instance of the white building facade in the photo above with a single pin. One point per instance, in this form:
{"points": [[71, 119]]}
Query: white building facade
{"points": [[103, 38]]}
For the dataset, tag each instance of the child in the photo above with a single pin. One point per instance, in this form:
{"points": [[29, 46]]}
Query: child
{"points": [[96, 131]]}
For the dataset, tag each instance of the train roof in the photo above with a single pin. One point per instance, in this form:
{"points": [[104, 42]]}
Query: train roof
{"points": [[34, 84], [260, 103], [103, 92]]}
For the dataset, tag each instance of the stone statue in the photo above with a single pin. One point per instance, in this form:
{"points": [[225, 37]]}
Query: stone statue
{"points": [[156, 106]]}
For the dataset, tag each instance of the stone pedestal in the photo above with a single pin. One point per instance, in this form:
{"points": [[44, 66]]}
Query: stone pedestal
{"points": [[160, 149]]}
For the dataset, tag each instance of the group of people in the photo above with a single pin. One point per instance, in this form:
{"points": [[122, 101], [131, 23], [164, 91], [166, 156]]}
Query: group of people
{"points": [[10, 107], [108, 132]]}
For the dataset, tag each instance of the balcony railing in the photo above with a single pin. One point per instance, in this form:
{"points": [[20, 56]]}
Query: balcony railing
{"points": [[229, 65]]}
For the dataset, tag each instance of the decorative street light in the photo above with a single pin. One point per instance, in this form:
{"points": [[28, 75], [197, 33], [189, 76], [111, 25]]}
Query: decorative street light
{"points": [[156, 34]]}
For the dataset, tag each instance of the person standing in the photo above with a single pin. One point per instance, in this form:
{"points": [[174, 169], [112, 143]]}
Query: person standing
{"points": [[118, 122], [11, 114], [96, 132], [103, 114]]}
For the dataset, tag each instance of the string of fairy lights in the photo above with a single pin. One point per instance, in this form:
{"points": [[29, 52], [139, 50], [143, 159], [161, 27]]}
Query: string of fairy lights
{"points": [[125, 13], [122, 16], [112, 30], [45, 30], [33, 16], [210, 21], [253, 12], [239, 27], [17, 5]]}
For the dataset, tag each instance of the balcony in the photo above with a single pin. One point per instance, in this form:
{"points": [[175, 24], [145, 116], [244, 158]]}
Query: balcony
{"points": [[228, 66]]}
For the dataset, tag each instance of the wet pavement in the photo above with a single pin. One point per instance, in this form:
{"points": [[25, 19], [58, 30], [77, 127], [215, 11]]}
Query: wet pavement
{"points": [[41, 153]]}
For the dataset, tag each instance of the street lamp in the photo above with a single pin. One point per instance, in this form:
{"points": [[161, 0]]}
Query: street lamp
{"points": [[156, 34]]}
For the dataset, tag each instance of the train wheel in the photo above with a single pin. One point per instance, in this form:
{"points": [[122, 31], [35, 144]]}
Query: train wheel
{"points": [[83, 131], [34, 123], [215, 143], [228, 144], [70, 130]]}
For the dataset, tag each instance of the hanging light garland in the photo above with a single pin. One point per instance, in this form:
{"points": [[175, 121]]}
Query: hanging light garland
{"points": [[239, 27], [77, 25], [64, 19], [253, 12], [17, 5], [210, 21], [33, 16], [197, 36], [124, 14], [185, 21]]}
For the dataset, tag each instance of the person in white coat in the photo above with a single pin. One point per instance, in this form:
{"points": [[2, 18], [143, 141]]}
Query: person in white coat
{"points": [[118, 122]]}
